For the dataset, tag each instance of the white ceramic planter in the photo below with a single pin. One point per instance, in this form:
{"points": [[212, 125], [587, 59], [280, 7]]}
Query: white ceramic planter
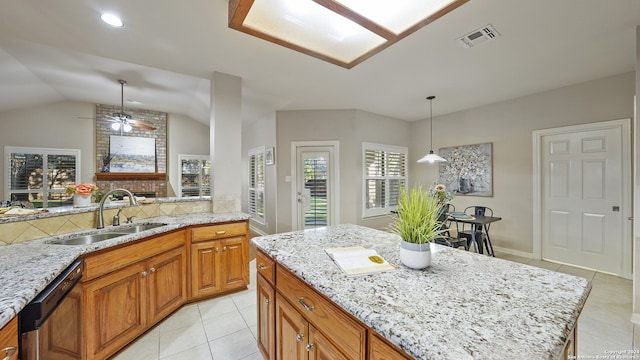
{"points": [[415, 256], [81, 200]]}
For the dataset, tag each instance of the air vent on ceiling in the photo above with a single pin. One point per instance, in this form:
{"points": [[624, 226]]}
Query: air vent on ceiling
{"points": [[478, 36]]}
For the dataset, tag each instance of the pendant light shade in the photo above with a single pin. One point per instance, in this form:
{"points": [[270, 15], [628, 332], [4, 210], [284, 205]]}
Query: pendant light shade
{"points": [[431, 157]]}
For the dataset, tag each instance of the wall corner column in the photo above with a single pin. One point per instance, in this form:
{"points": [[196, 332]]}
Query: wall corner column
{"points": [[225, 126]]}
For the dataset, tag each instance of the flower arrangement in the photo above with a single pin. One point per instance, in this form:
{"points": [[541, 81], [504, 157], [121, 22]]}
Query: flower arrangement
{"points": [[82, 189], [439, 191]]}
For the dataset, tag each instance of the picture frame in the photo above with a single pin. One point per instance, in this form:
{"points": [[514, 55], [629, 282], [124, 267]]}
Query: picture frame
{"points": [[269, 156], [468, 170], [132, 154]]}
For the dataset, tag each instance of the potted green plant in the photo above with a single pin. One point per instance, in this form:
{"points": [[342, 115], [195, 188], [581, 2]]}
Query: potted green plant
{"points": [[416, 222]]}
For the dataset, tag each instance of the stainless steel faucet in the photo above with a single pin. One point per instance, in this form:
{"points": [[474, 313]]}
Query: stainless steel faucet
{"points": [[132, 201]]}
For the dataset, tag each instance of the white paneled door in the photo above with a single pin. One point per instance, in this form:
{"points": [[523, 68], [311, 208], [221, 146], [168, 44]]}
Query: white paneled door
{"points": [[583, 211]]}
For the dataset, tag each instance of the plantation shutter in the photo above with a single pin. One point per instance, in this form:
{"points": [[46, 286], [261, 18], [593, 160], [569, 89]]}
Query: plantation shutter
{"points": [[256, 184], [385, 173]]}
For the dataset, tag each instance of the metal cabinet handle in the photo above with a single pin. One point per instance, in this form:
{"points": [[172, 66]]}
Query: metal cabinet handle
{"points": [[224, 248], [206, 251], [153, 269], [221, 232], [262, 267], [309, 347], [234, 247], [144, 273], [9, 352], [299, 337], [304, 305], [217, 249], [267, 301]]}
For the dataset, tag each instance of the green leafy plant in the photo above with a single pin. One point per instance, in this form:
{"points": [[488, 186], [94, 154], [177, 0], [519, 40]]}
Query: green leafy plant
{"points": [[416, 220]]}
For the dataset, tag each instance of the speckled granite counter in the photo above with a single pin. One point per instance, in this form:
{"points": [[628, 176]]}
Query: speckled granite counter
{"points": [[27, 268], [464, 306]]}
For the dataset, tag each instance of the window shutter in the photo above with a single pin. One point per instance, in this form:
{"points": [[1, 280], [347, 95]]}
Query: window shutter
{"points": [[385, 173]]}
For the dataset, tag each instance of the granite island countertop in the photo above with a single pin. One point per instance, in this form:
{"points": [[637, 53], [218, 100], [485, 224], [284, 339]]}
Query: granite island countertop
{"points": [[464, 306], [27, 268]]}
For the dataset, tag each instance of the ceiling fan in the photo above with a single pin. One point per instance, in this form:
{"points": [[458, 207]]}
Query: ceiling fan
{"points": [[123, 121]]}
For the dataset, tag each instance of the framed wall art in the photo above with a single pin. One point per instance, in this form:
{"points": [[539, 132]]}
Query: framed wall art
{"points": [[269, 158], [468, 169], [132, 154]]}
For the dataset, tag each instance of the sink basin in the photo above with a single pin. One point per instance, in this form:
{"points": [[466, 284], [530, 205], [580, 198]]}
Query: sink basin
{"points": [[106, 234], [135, 228], [87, 239]]}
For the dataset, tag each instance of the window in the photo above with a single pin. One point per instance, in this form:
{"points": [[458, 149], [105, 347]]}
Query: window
{"points": [[41, 176], [384, 174], [257, 184], [195, 175]]}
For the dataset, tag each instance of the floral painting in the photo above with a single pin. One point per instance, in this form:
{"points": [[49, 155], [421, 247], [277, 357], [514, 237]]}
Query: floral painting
{"points": [[468, 169]]}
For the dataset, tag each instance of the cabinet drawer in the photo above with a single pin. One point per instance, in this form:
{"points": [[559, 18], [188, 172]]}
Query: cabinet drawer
{"points": [[210, 232], [107, 261], [265, 266], [342, 330]]}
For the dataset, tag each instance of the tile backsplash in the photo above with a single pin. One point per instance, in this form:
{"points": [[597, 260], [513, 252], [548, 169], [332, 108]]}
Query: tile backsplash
{"points": [[36, 228]]}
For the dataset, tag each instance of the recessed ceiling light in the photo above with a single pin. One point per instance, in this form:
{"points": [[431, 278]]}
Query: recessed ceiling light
{"points": [[112, 20]]}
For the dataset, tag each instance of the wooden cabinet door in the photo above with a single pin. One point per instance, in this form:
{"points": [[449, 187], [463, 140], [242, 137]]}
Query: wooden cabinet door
{"points": [[380, 350], [166, 283], [205, 277], [235, 263], [266, 318], [61, 334], [9, 340], [320, 348], [292, 332], [115, 310]]}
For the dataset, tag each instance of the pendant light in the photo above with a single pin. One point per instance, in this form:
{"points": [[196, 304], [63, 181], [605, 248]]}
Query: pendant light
{"points": [[431, 157]]}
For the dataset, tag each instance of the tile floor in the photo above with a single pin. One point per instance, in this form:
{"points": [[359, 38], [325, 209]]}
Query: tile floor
{"points": [[225, 328]]}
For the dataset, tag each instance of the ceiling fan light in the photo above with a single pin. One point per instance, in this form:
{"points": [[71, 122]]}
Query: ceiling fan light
{"points": [[115, 126], [126, 127]]}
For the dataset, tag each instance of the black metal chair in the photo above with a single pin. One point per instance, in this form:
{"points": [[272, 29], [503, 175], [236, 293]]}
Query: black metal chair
{"points": [[446, 238], [465, 230]]}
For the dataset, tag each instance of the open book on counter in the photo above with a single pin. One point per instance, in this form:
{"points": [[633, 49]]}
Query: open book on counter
{"points": [[358, 260]]}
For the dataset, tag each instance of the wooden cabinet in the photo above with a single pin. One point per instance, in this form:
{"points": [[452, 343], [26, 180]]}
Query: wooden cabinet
{"points": [[380, 349], [122, 304], [219, 258], [332, 325], [9, 340], [266, 318]]}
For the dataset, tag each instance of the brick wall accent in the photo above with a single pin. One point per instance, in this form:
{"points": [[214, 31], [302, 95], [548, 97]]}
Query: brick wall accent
{"points": [[104, 132]]}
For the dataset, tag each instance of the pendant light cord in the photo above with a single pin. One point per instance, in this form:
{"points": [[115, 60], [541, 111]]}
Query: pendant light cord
{"points": [[430, 98]]}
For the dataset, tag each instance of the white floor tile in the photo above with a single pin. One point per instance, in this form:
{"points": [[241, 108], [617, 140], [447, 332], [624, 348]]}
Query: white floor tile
{"points": [[224, 324], [145, 348], [217, 306], [201, 352], [178, 340], [234, 346]]}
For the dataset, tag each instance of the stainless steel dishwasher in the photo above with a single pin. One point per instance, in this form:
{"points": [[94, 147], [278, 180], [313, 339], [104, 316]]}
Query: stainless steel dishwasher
{"points": [[49, 325]]}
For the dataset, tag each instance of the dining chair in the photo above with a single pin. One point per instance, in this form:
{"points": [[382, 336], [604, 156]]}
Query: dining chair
{"points": [[465, 230], [446, 238]]}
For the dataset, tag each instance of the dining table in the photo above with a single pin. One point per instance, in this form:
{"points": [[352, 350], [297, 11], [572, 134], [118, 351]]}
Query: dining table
{"points": [[479, 228]]}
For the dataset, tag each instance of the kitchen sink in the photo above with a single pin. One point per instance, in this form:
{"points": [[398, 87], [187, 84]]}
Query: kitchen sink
{"points": [[135, 228], [106, 234], [88, 239]]}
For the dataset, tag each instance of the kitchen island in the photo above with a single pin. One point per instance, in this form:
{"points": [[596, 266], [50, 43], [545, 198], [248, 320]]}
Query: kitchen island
{"points": [[464, 306]]}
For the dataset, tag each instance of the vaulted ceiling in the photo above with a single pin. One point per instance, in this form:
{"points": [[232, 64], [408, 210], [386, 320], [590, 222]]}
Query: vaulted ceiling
{"points": [[168, 50]]}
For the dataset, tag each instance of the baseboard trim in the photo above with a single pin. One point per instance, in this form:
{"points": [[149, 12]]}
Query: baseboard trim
{"points": [[514, 252]]}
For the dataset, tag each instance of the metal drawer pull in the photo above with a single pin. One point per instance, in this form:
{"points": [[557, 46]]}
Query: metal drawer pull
{"points": [[217, 249], [224, 248], [267, 301], [221, 232], [144, 273], [153, 269], [304, 305], [9, 352], [262, 267], [206, 251], [309, 347], [234, 247], [299, 337]]}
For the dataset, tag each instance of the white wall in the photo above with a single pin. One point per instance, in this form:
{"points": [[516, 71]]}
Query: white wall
{"points": [[51, 126], [509, 125]]}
